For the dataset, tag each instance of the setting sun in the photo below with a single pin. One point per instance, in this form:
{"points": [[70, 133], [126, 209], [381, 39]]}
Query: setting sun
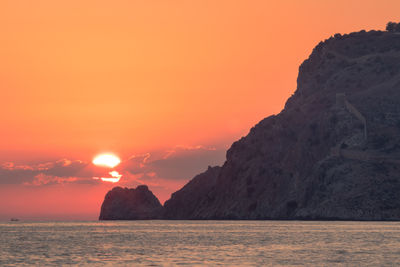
{"points": [[106, 160]]}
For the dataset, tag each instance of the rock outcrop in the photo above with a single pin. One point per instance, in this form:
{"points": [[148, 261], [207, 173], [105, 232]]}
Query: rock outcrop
{"points": [[130, 204], [188, 201], [333, 152]]}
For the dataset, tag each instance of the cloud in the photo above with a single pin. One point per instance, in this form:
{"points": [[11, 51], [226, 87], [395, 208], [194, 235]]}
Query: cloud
{"points": [[17, 175], [181, 162], [136, 163], [60, 171], [43, 179], [158, 169]]}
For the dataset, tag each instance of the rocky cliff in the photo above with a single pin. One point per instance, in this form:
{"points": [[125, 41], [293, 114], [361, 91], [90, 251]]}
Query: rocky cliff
{"points": [[130, 204], [332, 153], [192, 197]]}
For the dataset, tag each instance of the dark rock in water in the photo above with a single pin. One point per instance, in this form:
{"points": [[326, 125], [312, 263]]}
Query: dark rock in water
{"points": [[130, 204], [332, 153]]}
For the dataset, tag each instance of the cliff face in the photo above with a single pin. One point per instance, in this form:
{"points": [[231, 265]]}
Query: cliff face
{"points": [[130, 204], [188, 201], [332, 153]]}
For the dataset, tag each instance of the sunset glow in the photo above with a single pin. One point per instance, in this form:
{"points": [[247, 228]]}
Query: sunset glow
{"points": [[106, 160], [103, 93]]}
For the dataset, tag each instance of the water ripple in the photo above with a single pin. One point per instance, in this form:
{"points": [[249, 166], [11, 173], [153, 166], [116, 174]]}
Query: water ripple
{"points": [[170, 243]]}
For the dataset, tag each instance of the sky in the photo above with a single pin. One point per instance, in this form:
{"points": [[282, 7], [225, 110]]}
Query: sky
{"points": [[166, 86]]}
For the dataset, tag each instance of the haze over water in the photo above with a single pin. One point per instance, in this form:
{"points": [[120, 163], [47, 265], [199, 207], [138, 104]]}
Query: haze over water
{"points": [[284, 243]]}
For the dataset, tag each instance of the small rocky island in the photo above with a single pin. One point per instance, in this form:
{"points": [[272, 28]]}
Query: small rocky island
{"points": [[333, 152], [131, 204]]}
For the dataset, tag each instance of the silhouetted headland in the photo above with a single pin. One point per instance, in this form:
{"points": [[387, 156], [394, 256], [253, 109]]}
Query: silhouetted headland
{"points": [[333, 152]]}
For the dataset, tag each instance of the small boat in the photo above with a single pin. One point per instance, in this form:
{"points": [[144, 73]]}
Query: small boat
{"points": [[14, 220]]}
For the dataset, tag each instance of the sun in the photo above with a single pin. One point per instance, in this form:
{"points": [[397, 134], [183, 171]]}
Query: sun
{"points": [[106, 160]]}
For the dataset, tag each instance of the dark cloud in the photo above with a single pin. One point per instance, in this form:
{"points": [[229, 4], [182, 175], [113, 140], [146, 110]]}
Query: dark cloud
{"points": [[67, 168], [178, 163], [60, 171], [17, 176]]}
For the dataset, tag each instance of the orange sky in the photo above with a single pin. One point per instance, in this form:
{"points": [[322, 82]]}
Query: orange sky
{"points": [[135, 77]]}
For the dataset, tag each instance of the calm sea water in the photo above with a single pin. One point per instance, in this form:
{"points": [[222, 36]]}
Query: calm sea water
{"points": [[131, 243]]}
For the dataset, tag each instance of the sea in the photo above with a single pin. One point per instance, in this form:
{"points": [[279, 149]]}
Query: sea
{"points": [[200, 243]]}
